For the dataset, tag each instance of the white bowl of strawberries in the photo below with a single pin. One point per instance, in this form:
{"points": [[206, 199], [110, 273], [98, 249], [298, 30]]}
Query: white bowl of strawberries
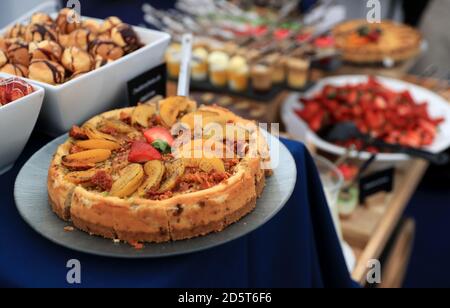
{"points": [[20, 104], [392, 110]]}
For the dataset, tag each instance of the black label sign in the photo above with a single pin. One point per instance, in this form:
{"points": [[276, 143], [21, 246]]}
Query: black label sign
{"points": [[375, 183], [148, 85]]}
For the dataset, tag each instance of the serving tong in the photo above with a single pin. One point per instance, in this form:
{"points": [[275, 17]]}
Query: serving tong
{"points": [[348, 130]]}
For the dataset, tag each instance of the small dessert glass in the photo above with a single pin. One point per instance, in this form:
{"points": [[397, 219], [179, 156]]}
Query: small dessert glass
{"points": [[261, 78], [332, 181], [298, 73]]}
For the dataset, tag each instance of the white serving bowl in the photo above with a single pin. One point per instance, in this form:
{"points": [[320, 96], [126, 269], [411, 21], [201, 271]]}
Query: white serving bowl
{"points": [[77, 100], [17, 120], [437, 107]]}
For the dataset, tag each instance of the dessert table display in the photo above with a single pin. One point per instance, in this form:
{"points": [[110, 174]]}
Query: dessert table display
{"points": [[140, 185], [122, 196]]}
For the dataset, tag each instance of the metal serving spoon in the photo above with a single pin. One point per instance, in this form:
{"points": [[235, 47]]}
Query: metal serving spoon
{"points": [[348, 130]]}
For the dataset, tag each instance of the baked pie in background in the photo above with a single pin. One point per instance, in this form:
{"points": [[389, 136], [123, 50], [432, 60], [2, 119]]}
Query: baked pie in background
{"points": [[362, 42]]}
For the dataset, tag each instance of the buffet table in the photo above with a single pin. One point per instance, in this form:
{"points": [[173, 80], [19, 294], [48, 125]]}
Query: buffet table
{"points": [[377, 230], [298, 248]]}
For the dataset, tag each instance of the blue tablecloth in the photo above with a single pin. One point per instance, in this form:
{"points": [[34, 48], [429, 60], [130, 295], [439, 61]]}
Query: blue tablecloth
{"points": [[297, 248]]}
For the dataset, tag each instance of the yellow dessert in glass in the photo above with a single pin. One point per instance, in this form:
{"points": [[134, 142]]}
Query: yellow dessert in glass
{"points": [[261, 77], [278, 64], [173, 60], [298, 72], [218, 65], [238, 74], [199, 64]]}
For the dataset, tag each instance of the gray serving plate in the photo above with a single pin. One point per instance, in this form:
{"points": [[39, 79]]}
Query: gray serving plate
{"points": [[31, 198]]}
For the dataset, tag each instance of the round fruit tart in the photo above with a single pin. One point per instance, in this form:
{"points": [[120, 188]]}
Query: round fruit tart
{"points": [[363, 42], [159, 172]]}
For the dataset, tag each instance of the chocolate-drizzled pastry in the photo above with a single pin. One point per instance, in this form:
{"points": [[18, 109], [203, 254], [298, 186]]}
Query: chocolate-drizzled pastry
{"points": [[91, 25], [3, 58], [76, 75], [75, 59], [63, 40], [38, 33], [125, 36], [41, 19], [63, 23], [47, 71], [15, 31], [45, 50], [54, 50], [18, 54], [3, 44], [106, 36], [81, 38], [10, 41], [106, 49], [99, 62], [110, 23], [15, 69]]}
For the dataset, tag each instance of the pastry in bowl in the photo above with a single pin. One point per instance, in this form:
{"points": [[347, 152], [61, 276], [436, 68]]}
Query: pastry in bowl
{"points": [[106, 49], [41, 19], [139, 174], [124, 36], [18, 54], [63, 24], [15, 69], [46, 71], [74, 46], [15, 31], [77, 60], [3, 58], [45, 50], [361, 42]]}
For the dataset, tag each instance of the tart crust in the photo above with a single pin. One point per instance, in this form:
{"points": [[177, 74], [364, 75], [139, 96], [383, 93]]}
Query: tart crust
{"points": [[136, 220]]}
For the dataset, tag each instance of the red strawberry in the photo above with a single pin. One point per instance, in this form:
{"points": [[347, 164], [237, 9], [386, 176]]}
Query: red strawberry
{"points": [[380, 103], [142, 152], [352, 97], [374, 37], [411, 138], [159, 133]]}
